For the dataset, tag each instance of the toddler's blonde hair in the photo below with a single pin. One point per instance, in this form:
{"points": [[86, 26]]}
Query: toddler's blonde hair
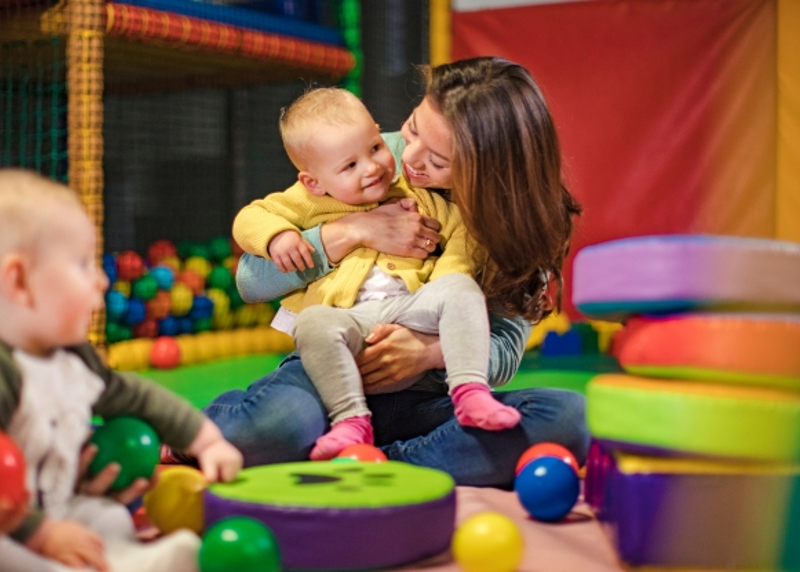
{"points": [[322, 105], [28, 203]]}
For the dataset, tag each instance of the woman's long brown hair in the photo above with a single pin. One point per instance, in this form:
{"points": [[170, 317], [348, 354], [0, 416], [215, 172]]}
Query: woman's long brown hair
{"points": [[507, 181]]}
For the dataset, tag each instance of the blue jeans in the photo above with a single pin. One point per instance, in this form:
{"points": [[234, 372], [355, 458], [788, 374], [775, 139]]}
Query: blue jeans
{"points": [[279, 417]]}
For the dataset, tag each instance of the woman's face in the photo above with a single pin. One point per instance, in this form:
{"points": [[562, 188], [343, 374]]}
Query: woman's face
{"points": [[429, 148]]}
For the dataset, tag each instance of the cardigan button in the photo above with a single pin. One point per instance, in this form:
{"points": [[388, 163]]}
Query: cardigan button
{"points": [[390, 266]]}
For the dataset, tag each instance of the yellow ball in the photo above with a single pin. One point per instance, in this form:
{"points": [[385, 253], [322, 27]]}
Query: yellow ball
{"points": [[122, 286], [199, 265], [488, 542], [182, 298], [222, 303], [177, 500]]}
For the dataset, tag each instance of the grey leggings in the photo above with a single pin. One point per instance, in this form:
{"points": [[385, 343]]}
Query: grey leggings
{"points": [[327, 338]]}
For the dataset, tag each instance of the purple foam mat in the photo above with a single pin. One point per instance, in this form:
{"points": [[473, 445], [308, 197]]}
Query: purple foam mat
{"points": [[348, 539], [696, 520]]}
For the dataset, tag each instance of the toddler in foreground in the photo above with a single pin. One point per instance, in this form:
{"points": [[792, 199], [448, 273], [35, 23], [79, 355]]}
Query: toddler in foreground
{"points": [[52, 382], [345, 167]]}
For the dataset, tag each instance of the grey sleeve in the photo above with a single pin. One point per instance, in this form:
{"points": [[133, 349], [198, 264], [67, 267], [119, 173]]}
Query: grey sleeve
{"points": [[259, 280], [509, 335]]}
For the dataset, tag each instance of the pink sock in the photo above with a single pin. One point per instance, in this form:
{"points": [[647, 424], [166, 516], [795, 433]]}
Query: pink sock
{"points": [[351, 431], [476, 407]]}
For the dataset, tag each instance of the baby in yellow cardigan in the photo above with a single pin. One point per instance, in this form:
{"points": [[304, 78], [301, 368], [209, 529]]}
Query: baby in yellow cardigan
{"points": [[345, 167]]}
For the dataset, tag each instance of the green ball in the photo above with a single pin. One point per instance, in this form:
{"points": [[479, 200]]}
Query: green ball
{"points": [[201, 325], [144, 288], [239, 544], [220, 277], [219, 248], [117, 332], [235, 297], [130, 442]]}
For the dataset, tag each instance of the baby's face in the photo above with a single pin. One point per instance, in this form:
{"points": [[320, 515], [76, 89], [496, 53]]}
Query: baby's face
{"points": [[65, 282], [351, 162]]}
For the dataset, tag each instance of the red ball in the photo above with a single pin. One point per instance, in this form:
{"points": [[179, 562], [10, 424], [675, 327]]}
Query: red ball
{"points": [[547, 449], [146, 329], [193, 280], [160, 249], [12, 472], [363, 452], [165, 353], [130, 265]]}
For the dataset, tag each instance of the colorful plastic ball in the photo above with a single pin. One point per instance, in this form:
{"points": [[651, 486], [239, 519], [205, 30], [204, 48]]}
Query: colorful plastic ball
{"points": [[172, 262], [110, 267], [547, 449], [160, 249], [147, 328], [165, 353], [182, 297], [12, 472], [159, 306], [220, 300], [488, 542], [163, 275], [116, 304], [219, 248], [201, 325], [144, 287], [548, 488], [220, 277], [117, 332], [199, 264], [168, 326], [130, 442], [122, 286], [239, 544], [193, 280], [136, 312], [185, 325], [246, 316], [363, 452], [202, 307], [234, 297], [130, 265], [198, 250], [176, 501]]}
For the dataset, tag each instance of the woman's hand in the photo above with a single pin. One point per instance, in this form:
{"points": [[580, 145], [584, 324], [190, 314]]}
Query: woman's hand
{"points": [[395, 228], [394, 355], [99, 484]]}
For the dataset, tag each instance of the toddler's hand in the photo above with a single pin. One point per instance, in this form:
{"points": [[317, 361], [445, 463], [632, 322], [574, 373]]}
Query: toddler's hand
{"points": [[99, 484], [290, 251], [12, 514], [218, 459], [70, 543]]}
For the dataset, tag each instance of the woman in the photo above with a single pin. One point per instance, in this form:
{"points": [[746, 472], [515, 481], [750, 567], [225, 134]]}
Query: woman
{"points": [[484, 135]]}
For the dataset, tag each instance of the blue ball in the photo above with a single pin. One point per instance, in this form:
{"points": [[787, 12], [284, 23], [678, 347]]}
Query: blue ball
{"points": [[185, 325], [202, 307], [169, 326], [548, 488], [116, 304], [135, 314], [110, 268], [163, 277]]}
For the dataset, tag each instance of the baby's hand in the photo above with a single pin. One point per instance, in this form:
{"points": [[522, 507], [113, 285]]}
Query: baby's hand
{"points": [[70, 543], [290, 251], [218, 459], [12, 513]]}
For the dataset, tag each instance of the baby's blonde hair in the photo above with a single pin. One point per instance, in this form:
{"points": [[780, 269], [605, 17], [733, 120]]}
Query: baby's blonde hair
{"points": [[322, 105], [28, 201]]}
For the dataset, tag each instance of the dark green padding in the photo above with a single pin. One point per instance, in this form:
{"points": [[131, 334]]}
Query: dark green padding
{"points": [[326, 484]]}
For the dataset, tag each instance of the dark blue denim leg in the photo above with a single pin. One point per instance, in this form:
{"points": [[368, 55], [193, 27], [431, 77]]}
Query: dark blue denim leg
{"points": [[472, 456], [276, 420]]}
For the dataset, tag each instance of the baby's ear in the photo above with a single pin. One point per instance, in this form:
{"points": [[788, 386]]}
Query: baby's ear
{"points": [[14, 279], [310, 183]]}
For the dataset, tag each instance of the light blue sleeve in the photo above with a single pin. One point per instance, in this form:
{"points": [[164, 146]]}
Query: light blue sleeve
{"points": [[259, 280]]}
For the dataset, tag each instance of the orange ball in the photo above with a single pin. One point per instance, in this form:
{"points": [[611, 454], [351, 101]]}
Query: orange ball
{"points": [[193, 280], [363, 452], [546, 449]]}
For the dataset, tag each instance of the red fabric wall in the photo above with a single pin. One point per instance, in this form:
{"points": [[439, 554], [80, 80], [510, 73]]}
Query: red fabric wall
{"points": [[665, 108]]}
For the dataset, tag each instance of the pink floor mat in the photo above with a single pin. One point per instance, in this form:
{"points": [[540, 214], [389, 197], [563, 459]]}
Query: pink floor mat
{"points": [[576, 544]]}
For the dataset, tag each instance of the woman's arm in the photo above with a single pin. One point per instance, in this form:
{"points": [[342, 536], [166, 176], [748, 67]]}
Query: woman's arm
{"points": [[396, 354], [391, 228]]}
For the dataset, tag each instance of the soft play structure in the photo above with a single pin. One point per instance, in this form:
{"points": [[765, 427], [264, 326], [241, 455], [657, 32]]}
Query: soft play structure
{"points": [[699, 437]]}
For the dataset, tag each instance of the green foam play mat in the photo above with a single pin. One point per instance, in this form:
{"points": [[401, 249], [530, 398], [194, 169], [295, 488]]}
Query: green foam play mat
{"points": [[203, 382]]}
